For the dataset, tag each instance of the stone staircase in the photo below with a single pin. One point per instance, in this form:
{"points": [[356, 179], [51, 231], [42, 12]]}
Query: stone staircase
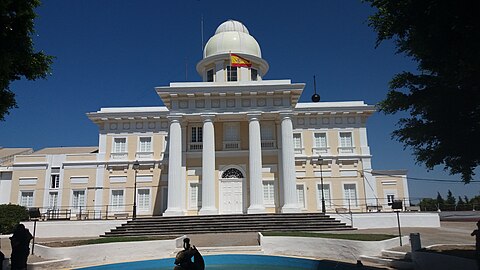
{"points": [[158, 225], [394, 259]]}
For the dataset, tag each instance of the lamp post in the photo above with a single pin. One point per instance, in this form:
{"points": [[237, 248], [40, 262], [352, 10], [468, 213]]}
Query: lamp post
{"points": [[320, 161], [136, 166]]}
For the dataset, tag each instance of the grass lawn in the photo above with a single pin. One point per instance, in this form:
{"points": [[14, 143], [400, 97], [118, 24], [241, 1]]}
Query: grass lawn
{"points": [[349, 236], [103, 240]]}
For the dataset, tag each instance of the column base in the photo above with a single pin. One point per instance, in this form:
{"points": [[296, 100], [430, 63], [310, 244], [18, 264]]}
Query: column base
{"points": [[256, 209], [208, 211], [290, 209], [173, 212]]}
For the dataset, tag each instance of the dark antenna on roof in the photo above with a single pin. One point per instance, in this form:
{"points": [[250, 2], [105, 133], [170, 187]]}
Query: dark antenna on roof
{"points": [[315, 97]]}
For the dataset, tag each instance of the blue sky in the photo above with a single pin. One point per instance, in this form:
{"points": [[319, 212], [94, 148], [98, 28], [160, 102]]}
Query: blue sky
{"points": [[113, 53]]}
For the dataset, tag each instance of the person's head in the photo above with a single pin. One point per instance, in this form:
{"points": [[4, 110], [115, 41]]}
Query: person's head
{"points": [[20, 227], [186, 243], [478, 224]]}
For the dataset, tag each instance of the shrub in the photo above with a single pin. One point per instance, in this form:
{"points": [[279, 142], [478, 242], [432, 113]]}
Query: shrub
{"points": [[10, 216]]}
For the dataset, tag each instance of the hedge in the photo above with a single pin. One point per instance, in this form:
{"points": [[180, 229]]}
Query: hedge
{"points": [[10, 216]]}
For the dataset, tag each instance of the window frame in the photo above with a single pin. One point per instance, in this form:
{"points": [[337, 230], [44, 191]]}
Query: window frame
{"points": [[228, 71], [298, 150], [348, 149], [32, 200], [252, 77], [305, 204], [119, 207], [328, 201], [114, 143], [207, 75], [139, 147], [195, 205], [318, 149], [72, 200], [345, 199], [269, 202], [139, 206]]}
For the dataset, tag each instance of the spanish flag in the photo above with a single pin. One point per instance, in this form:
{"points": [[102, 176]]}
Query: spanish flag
{"points": [[237, 61]]}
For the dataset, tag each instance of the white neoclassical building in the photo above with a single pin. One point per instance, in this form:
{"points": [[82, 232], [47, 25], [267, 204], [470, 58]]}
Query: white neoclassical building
{"points": [[233, 143]]}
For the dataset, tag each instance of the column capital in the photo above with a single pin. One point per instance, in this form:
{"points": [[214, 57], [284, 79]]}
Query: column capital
{"points": [[285, 115], [175, 118], [254, 116], [208, 117]]}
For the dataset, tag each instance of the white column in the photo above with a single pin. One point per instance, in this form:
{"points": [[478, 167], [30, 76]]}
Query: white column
{"points": [[255, 165], [208, 168], [288, 165], [174, 204]]}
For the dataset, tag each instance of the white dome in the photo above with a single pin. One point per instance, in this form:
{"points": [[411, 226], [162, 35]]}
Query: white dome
{"points": [[232, 37], [232, 26]]}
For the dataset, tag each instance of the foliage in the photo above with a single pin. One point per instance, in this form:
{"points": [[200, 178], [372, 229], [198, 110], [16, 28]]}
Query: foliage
{"points": [[443, 38], [428, 204], [461, 205], [450, 202], [10, 216], [17, 56], [346, 236]]}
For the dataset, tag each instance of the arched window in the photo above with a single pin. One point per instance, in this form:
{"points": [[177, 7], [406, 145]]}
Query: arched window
{"points": [[232, 173]]}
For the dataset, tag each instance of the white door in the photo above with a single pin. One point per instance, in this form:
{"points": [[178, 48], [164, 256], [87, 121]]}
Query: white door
{"points": [[231, 196]]}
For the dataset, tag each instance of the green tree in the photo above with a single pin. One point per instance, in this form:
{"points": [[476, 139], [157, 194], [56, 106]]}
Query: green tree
{"points": [[428, 204], [10, 216], [450, 202], [17, 56], [442, 37], [461, 205], [440, 201]]}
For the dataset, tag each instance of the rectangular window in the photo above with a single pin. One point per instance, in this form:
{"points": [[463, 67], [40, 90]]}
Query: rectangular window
{"points": [[269, 192], [197, 134], [195, 195], [390, 198], [145, 144], [78, 199], [52, 200], [350, 195], [297, 143], [26, 198], [55, 181], [326, 193], [253, 74], [320, 140], [231, 131], [119, 145], [301, 195], [210, 75], [346, 139], [231, 74], [117, 199], [143, 199]]}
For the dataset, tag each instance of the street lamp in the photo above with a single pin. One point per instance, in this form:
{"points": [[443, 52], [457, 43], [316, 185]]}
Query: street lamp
{"points": [[320, 161], [136, 166]]}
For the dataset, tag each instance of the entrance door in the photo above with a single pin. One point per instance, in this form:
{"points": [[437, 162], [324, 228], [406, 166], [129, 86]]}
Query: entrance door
{"points": [[231, 196]]}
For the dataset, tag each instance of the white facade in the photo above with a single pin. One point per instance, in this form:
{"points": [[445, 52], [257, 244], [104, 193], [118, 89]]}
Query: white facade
{"points": [[231, 144]]}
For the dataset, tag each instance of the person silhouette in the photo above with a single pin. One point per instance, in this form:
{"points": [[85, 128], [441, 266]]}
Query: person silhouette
{"points": [[183, 260], [20, 241]]}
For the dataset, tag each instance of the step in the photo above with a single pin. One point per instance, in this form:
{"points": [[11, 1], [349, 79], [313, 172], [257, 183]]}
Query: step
{"points": [[396, 255], [397, 264], [159, 233], [159, 225]]}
